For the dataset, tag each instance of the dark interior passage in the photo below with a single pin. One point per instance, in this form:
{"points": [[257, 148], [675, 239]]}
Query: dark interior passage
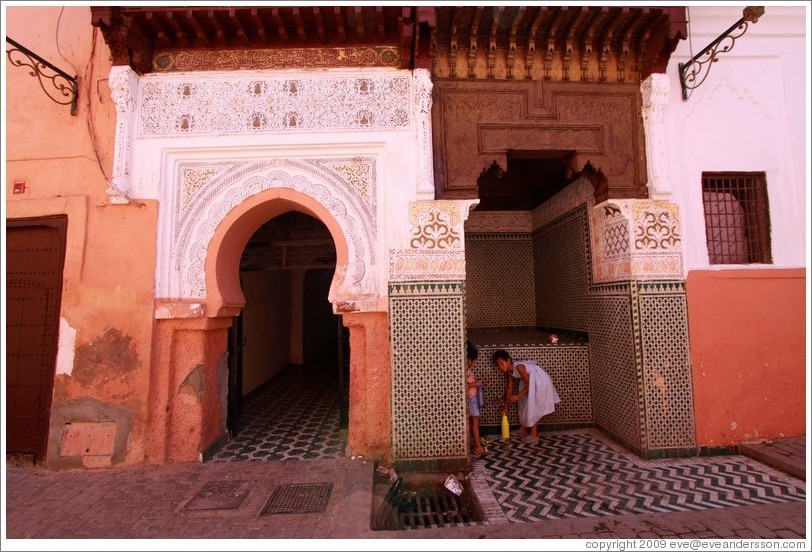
{"points": [[288, 351], [299, 413]]}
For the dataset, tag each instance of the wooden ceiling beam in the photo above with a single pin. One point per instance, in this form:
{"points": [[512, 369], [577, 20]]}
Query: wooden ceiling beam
{"points": [[381, 35], [342, 32], [199, 30], [359, 23], [219, 35], [180, 33], [319, 24], [262, 31], [300, 26], [280, 25]]}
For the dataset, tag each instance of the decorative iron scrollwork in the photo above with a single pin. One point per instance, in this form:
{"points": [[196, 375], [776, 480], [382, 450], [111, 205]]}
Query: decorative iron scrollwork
{"points": [[66, 90], [694, 73]]}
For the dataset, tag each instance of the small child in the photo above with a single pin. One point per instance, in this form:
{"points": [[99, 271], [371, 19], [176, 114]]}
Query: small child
{"points": [[476, 397]]}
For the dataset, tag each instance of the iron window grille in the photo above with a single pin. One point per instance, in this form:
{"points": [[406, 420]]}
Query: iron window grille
{"points": [[737, 217]]}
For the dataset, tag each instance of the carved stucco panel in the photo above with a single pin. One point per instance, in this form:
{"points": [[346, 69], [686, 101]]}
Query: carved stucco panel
{"points": [[197, 219], [436, 242], [123, 88], [172, 105], [655, 90], [435, 225], [499, 221], [636, 240], [422, 109]]}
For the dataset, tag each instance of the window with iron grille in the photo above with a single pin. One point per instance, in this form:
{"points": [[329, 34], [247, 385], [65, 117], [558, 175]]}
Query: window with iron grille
{"points": [[737, 217]]}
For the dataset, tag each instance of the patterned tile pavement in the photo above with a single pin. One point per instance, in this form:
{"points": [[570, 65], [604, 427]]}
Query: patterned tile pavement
{"points": [[297, 414], [570, 474], [581, 473]]}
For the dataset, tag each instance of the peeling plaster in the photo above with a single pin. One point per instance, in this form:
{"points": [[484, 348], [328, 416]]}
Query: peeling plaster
{"points": [[112, 353], [195, 382], [182, 310], [345, 306], [66, 350], [87, 410]]}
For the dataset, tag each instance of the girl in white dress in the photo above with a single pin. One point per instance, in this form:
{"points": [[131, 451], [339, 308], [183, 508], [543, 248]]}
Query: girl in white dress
{"points": [[536, 396]]}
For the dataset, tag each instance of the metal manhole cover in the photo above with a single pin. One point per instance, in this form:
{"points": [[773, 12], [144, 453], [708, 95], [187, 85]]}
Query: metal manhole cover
{"points": [[299, 498], [220, 495]]}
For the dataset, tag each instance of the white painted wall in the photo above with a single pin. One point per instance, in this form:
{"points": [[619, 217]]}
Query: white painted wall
{"points": [[750, 114]]}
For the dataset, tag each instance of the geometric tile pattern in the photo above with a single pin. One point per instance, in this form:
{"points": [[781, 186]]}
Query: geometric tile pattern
{"points": [[567, 365], [428, 384], [297, 414], [579, 473], [562, 273], [668, 389], [616, 239], [613, 367], [499, 280], [639, 373]]}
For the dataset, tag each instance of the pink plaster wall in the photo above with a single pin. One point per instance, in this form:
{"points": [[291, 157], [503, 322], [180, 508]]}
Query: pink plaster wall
{"points": [[748, 338], [370, 418], [186, 402], [110, 257]]}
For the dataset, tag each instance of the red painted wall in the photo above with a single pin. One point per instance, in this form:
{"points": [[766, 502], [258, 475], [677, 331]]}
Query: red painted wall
{"points": [[748, 352]]}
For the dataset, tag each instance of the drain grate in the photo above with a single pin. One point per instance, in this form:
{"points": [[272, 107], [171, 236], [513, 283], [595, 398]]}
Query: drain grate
{"points": [[220, 495], [415, 511], [299, 498]]}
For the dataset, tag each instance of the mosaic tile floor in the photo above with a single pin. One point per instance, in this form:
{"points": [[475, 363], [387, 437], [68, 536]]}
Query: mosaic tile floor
{"points": [[297, 414], [578, 473], [581, 473]]}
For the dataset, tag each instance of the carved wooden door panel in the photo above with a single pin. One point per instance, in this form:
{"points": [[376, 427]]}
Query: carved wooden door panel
{"points": [[35, 254]]}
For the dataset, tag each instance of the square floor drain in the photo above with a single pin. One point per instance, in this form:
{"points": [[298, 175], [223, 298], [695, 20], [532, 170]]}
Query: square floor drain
{"points": [[220, 495], [300, 498]]}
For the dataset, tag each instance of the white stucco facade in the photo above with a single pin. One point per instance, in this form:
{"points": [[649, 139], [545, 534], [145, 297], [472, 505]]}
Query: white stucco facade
{"points": [[356, 142], [750, 114]]}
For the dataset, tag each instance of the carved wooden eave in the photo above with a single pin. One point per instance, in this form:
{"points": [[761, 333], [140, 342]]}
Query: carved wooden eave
{"points": [[554, 90], [149, 38], [569, 43], [545, 94]]}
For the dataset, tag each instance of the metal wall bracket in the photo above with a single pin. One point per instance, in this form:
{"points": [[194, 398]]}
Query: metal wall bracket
{"points": [[694, 73], [67, 91]]}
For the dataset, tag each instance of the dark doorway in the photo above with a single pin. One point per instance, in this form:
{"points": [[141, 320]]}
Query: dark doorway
{"points": [[288, 351], [35, 257], [235, 344]]}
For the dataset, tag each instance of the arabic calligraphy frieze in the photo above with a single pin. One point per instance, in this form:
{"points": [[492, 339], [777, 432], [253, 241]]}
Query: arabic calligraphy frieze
{"points": [[299, 58]]}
